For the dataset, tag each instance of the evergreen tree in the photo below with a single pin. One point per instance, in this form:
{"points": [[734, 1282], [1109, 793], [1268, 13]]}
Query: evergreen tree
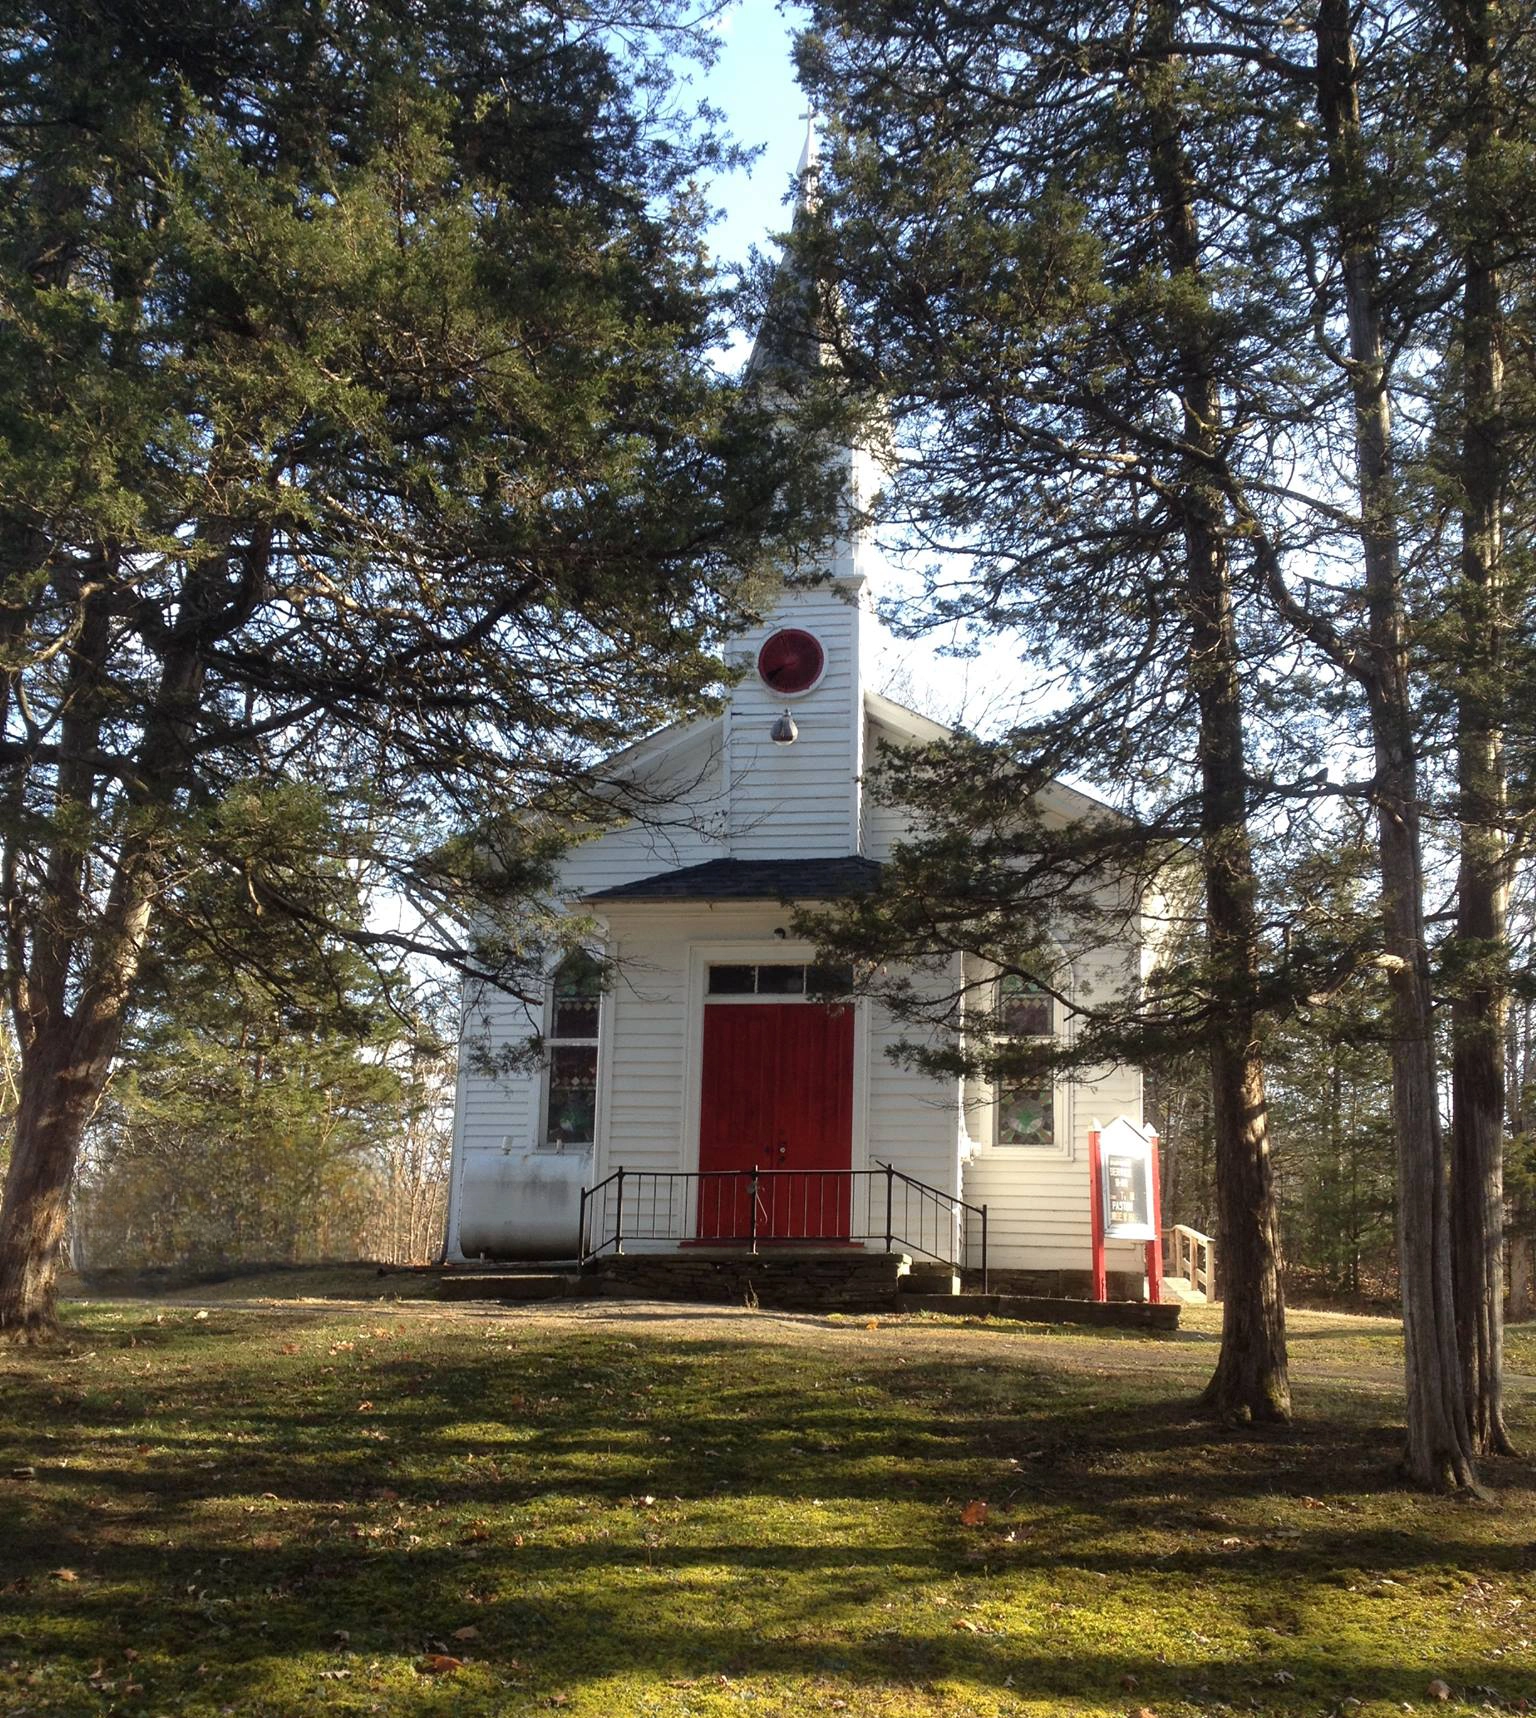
{"points": [[362, 477], [254, 1108], [1353, 215], [1032, 264]]}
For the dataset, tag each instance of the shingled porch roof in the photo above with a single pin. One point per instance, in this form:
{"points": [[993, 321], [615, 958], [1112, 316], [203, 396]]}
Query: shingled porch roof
{"points": [[751, 880]]}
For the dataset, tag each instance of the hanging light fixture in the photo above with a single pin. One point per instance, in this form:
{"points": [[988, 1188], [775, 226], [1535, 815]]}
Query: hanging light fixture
{"points": [[784, 732]]}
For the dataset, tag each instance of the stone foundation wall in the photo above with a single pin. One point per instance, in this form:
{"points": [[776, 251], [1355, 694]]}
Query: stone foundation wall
{"points": [[820, 1282], [1059, 1285]]}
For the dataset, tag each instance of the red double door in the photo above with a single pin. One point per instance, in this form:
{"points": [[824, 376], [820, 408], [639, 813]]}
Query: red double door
{"points": [[777, 1096]]}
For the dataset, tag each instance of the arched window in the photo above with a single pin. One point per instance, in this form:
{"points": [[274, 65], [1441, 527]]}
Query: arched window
{"points": [[570, 1079], [1026, 1108]]}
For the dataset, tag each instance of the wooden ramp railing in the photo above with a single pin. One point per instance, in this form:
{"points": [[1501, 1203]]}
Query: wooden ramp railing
{"points": [[1192, 1256]]}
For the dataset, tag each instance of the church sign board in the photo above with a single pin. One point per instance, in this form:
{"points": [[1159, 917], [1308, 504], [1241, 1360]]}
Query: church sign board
{"points": [[1127, 1192], [1123, 1169]]}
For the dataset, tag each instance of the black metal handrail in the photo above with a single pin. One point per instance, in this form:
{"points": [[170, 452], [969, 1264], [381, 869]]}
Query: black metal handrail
{"points": [[750, 1206]]}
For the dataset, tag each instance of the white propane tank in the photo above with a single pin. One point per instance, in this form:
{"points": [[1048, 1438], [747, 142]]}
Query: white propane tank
{"points": [[523, 1203]]}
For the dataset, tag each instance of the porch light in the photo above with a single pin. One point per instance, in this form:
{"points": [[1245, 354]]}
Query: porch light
{"points": [[784, 732]]}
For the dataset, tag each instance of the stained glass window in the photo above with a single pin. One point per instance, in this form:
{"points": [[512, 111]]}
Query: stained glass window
{"points": [[571, 1079], [791, 661], [1026, 1108]]}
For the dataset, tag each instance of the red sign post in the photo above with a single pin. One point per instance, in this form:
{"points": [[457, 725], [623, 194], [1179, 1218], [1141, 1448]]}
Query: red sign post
{"points": [[1096, 1194]]}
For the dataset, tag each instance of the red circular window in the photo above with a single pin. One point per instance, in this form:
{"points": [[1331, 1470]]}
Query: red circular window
{"points": [[791, 661]]}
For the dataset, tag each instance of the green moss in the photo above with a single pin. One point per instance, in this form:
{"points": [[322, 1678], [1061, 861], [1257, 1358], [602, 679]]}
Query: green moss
{"points": [[270, 1512]]}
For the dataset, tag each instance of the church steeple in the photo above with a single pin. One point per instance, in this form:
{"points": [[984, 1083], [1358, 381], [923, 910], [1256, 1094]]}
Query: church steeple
{"points": [[810, 161], [789, 341]]}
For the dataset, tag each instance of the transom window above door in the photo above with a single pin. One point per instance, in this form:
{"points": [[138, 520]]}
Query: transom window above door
{"points": [[779, 978]]}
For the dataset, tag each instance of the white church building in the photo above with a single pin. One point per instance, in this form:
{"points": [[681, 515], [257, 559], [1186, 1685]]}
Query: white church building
{"points": [[702, 1083], [704, 1047]]}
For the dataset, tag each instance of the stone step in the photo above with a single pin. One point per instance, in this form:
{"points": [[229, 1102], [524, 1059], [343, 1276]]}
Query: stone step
{"points": [[927, 1278], [795, 1279], [511, 1286]]}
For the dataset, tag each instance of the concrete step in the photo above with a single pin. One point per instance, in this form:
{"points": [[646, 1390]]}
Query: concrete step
{"points": [[927, 1278], [1183, 1291]]}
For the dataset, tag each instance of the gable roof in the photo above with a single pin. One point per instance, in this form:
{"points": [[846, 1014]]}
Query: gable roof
{"points": [[906, 721], [782, 880]]}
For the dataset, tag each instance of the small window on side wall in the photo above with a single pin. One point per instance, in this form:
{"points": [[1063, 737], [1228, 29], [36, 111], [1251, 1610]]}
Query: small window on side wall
{"points": [[1026, 1108], [570, 1077]]}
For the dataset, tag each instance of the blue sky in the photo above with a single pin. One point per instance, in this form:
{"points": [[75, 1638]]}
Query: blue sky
{"points": [[753, 84]]}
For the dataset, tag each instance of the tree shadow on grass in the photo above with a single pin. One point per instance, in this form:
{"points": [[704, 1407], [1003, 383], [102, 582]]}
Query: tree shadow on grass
{"points": [[600, 1505]]}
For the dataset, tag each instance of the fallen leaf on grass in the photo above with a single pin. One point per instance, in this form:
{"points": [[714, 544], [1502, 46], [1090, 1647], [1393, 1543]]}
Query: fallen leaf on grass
{"points": [[1438, 1690], [975, 1513], [63, 1575], [468, 1632], [440, 1664], [966, 1624]]}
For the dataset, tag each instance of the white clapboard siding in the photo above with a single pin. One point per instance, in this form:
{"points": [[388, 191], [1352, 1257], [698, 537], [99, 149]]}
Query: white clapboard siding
{"points": [[495, 1109], [914, 1120], [882, 824], [683, 823], [647, 1011], [1038, 1200], [799, 801]]}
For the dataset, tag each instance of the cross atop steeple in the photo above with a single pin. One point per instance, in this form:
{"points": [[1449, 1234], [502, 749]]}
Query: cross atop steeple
{"points": [[812, 147]]}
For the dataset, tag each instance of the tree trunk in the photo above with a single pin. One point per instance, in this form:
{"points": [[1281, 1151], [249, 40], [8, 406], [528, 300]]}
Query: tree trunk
{"points": [[64, 1070], [50, 1124], [1479, 1010], [1522, 1264], [1439, 1444], [1251, 1381]]}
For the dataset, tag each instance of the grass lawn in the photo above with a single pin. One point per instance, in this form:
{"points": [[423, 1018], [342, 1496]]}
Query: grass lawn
{"points": [[620, 1509]]}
